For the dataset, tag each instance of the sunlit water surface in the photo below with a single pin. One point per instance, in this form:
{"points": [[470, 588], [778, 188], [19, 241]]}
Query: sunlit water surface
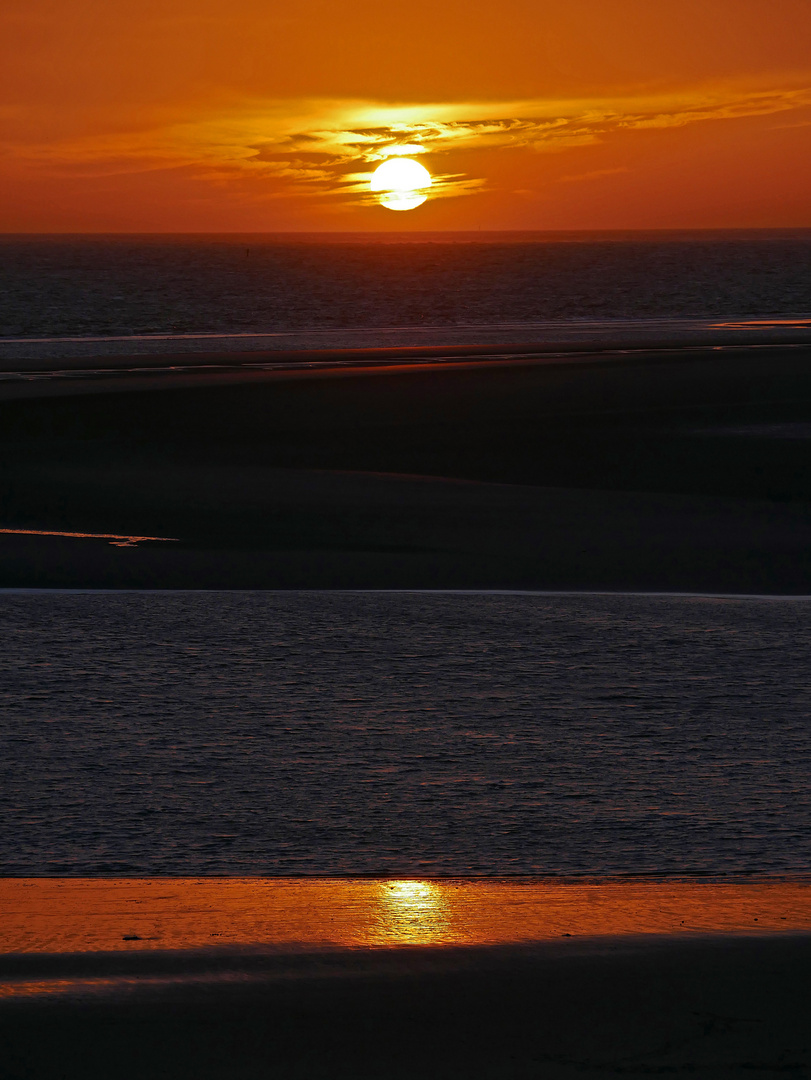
{"points": [[403, 734]]}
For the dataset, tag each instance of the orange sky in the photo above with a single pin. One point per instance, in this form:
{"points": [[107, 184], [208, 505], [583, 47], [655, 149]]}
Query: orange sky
{"points": [[178, 115]]}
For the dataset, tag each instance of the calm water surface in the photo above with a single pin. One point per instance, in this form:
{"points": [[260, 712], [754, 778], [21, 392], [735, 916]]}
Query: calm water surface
{"points": [[96, 285], [323, 733]]}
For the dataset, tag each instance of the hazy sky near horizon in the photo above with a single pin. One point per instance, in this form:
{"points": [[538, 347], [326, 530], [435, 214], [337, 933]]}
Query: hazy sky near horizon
{"points": [[199, 115]]}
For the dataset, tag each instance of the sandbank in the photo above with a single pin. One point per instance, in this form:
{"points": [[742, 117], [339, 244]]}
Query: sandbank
{"points": [[684, 469]]}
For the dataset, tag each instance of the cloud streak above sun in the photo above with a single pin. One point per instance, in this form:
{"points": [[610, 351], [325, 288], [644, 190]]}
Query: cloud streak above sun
{"points": [[327, 149]]}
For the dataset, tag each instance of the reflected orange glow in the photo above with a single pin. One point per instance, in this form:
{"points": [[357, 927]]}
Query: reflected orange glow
{"points": [[81, 915], [743, 324], [411, 913], [116, 539]]}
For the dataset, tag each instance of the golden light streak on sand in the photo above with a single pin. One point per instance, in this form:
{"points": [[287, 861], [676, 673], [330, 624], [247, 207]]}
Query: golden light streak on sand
{"points": [[92, 915]]}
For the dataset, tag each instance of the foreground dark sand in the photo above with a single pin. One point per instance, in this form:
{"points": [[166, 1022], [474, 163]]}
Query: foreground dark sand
{"points": [[685, 469], [108, 978], [708, 1008]]}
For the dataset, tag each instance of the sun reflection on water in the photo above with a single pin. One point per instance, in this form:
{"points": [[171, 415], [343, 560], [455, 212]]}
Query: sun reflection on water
{"points": [[411, 913]]}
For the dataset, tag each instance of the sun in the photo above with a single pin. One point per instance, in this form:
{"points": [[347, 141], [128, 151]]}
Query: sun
{"points": [[400, 183]]}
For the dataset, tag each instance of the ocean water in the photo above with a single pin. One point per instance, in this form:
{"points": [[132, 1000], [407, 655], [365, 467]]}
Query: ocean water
{"points": [[406, 734], [153, 285]]}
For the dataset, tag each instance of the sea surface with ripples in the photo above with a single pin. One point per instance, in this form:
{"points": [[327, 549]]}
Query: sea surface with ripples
{"points": [[328, 733], [52, 286]]}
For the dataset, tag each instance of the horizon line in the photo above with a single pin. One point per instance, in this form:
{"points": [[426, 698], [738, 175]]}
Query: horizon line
{"points": [[397, 234]]}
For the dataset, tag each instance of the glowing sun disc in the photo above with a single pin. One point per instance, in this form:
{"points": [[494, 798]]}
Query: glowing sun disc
{"points": [[400, 183]]}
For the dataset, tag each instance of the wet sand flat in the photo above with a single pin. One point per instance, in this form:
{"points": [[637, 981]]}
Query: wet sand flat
{"points": [[70, 915]]}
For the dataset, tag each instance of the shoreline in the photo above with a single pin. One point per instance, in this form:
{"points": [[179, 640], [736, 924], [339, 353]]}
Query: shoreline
{"points": [[34, 379]]}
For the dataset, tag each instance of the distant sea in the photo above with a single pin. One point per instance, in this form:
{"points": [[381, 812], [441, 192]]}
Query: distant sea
{"points": [[406, 734], [68, 286]]}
